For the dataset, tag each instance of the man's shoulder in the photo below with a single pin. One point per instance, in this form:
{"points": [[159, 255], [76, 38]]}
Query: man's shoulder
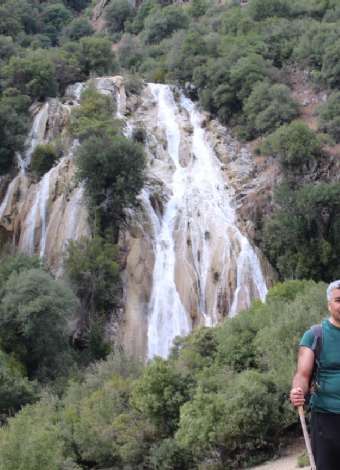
{"points": [[312, 335]]}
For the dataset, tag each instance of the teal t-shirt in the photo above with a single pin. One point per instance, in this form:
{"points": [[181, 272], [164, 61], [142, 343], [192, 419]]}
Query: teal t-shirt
{"points": [[327, 397]]}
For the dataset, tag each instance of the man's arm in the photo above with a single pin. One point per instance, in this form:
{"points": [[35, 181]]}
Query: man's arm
{"points": [[301, 380]]}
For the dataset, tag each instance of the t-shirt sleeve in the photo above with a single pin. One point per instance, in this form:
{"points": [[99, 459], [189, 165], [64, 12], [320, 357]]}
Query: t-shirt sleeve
{"points": [[307, 339]]}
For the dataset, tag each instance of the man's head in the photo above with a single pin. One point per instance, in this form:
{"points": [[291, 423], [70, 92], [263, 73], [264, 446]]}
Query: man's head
{"points": [[333, 297]]}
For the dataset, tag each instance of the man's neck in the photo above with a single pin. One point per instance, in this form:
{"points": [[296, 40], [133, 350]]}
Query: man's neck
{"points": [[334, 322]]}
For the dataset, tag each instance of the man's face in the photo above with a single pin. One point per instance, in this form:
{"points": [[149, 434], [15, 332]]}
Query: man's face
{"points": [[334, 305]]}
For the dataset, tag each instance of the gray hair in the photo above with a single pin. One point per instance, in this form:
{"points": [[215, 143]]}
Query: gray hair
{"points": [[333, 285]]}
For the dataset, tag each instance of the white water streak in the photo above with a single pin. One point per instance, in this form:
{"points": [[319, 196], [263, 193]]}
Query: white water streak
{"points": [[200, 205]]}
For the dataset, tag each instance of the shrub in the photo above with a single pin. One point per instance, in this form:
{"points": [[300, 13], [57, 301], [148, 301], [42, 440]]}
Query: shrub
{"points": [[34, 314], [43, 159], [246, 73], [329, 116], [162, 23], [94, 116], [159, 394], [330, 71], [32, 75], [96, 55], [261, 9], [76, 29], [33, 439], [295, 145], [301, 238], [14, 126], [116, 14], [93, 271], [15, 389], [112, 168], [268, 107]]}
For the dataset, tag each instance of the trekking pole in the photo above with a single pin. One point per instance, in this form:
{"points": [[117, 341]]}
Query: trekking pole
{"points": [[306, 437]]}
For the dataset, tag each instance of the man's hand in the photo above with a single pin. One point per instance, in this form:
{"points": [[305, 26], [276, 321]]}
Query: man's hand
{"points": [[297, 396]]}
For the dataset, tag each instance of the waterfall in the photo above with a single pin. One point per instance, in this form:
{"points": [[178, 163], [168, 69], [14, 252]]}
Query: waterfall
{"points": [[168, 317], [199, 209], [35, 137]]}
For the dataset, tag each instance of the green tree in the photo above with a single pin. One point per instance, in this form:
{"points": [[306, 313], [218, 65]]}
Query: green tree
{"points": [[246, 72], [15, 389], [160, 393], [34, 314], [32, 75], [94, 116], [116, 14], [54, 17], [162, 23], [43, 159], [13, 127], [295, 145], [95, 55], [301, 238], [329, 116], [261, 9], [37, 427], [112, 168], [330, 65], [93, 271], [76, 29], [268, 107]]}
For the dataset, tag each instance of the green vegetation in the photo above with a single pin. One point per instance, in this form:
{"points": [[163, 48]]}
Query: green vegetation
{"points": [[220, 400], [111, 165], [295, 145], [93, 272], [43, 159], [302, 237], [329, 115]]}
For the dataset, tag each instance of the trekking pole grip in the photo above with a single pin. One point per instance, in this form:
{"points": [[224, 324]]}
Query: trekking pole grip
{"points": [[306, 437]]}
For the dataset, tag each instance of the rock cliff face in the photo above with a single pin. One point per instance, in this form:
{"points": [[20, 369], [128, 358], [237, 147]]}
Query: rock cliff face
{"points": [[188, 258]]}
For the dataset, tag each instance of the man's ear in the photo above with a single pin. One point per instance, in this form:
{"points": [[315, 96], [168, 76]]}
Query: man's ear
{"points": [[329, 309]]}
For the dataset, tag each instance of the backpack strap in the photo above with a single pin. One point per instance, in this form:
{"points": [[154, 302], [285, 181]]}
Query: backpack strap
{"points": [[316, 348], [317, 342]]}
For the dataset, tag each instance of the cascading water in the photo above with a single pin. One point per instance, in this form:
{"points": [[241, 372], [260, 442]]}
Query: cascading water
{"points": [[227, 272], [168, 317]]}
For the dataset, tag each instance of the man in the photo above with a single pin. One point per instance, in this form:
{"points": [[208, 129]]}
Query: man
{"points": [[325, 399]]}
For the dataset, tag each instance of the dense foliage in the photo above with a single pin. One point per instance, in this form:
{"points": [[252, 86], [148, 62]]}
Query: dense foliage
{"points": [[219, 401]]}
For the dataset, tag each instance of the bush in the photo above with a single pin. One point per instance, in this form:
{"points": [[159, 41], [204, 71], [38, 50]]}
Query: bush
{"points": [[112, 168], [268, 107], [14, 126], [77, 29], [116, 14], [159, 394], [301, 238], [34, 314], [261, 9], [295, 145], [43, 159], [329, 116], [162, 23], [231, 424], [32, 75], [93, 271], [246, 73], [33, 439], [330, 71], [94, 116], [15, 389], [95, 55]]}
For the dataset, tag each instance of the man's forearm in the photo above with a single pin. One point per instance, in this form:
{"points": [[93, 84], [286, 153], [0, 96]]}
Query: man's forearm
{"points": [[301, 381]]}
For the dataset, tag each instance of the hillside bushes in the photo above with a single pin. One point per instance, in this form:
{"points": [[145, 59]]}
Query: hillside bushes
{"points": [[200, 407]]}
